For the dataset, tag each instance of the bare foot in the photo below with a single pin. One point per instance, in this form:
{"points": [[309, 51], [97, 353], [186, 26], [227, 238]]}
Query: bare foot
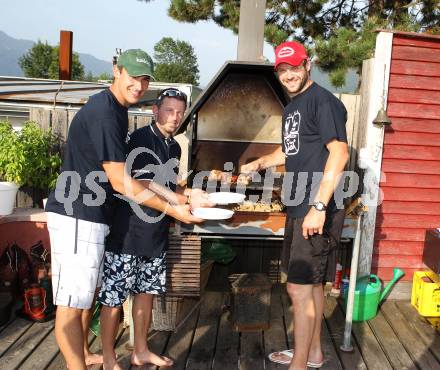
{"points": [[93, 359], [111, 364], [148, 357]]}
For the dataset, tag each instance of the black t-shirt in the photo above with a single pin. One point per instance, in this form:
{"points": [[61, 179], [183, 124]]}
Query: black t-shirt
{"points": [[157, 159], [97, 133], [310, 121]]}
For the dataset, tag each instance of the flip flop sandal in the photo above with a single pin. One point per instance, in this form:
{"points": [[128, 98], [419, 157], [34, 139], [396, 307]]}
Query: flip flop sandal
{"points": [[289, 353], [315, 365]]}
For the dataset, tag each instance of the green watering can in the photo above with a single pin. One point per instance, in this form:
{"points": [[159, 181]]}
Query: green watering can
{"points": [[369, 294]]}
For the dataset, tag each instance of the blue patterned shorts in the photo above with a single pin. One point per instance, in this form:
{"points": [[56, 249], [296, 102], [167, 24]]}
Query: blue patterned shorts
{"points": [[126, 274]]}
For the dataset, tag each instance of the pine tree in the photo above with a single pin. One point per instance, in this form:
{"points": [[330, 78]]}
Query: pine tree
{"points": [[340, 32]]}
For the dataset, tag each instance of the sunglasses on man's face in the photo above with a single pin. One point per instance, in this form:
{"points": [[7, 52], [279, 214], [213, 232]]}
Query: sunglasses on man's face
{"points": [[171, 93]]}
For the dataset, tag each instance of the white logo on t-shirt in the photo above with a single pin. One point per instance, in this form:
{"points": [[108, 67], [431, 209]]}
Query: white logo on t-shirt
{"points": [[285, 52], [291, 133]]}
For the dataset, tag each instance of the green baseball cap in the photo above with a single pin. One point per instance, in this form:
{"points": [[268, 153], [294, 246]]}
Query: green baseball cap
{"points": [[136, 62]]}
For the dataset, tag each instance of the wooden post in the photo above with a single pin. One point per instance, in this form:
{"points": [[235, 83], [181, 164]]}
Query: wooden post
{"points": [[65, 55], [370, 155], [251, 30]]}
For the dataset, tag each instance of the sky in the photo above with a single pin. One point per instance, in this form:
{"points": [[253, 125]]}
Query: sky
{"points": [[100, 26]]}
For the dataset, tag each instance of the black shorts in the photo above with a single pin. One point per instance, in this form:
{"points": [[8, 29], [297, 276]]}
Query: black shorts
{"points": [[313, 260]]}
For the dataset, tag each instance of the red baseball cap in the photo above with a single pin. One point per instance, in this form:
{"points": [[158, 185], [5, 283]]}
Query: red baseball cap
{"points": [[290, 52]]}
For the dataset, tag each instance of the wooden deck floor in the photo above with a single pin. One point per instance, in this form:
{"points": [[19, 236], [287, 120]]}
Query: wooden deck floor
{"points": [[396, 339]]}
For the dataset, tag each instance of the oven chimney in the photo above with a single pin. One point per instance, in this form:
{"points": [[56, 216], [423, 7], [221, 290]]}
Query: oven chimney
{"points": [[251, 30], [65, 55]]}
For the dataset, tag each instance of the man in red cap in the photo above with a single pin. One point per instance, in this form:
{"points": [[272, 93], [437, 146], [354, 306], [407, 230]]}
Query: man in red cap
{"points": [[314, 151]]}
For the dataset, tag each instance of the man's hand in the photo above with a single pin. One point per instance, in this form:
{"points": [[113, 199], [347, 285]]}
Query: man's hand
{"points": [[181, 212], [313, 223], [199, 198], [276, 158], [251, 167], [247, 171]]}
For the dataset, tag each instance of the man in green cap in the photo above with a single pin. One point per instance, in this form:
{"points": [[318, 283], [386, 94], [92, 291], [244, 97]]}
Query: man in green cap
{"points": [[81, 206]]}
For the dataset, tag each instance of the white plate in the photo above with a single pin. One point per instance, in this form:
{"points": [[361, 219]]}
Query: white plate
{"points": [[225, 197], [212, 213]]}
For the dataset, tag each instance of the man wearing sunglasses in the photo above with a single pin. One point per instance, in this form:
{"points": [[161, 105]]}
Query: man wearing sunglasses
{"points": [[81, 207], [135, 257]]}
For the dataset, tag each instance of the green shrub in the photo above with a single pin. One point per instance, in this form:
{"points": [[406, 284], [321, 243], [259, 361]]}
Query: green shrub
{"points": [[30, 156]]}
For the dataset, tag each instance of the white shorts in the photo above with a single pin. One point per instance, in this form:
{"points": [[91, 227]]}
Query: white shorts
{"points": [[77, 254]]}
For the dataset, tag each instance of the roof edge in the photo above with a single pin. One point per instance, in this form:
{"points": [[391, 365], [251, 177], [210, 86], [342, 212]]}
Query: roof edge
{"points": [[422, 35]]}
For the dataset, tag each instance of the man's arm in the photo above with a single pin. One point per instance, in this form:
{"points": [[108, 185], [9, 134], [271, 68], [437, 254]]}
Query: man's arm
{"points": [[140, 193], [336, 161], [165, 193], [276, 158]]}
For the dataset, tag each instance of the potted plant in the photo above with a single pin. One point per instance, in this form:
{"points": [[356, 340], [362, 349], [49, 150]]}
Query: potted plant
{"points": [[27, 157]]}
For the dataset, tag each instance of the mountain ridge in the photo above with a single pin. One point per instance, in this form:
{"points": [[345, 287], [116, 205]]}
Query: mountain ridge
{"points": [[11, 49]]}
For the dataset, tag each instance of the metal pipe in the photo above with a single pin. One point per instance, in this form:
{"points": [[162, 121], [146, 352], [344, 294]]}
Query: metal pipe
{"points": [[65, 55], [346, 345], [251, 30]]}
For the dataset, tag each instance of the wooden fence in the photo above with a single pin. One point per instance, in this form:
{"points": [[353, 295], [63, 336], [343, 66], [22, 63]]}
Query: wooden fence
{"points": [[59, 120]]}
